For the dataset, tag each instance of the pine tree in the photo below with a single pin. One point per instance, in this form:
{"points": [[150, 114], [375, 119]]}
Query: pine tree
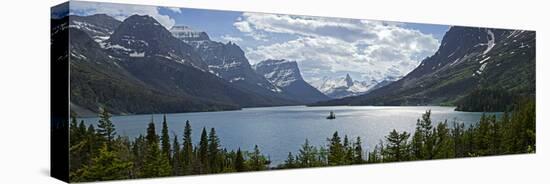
{"points": [[196, 165], [74, 133], [457, 135], [213, 151], [396, 147], [176, 158], [495, 136], [417, 145], [289, 162], [78, 145], [105, 166], [165, 140], [227, 160], [443, 145], [523, 122], [139, 151], [187, 150], [106, 128], [506, 132], [151, 136], [239, 161], [82, 130], [529, 124], [348, 151], [427, 133], [469, 142], [307, 155], [372, 156], [123, 151], [203, 152], [358, 152], [155, 163], [336, 150], [376, 156], [481, 136], [257, 161], [93, 141], [322, 157]]}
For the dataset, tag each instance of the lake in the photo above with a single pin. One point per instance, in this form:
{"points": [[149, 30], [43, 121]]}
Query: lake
{"points": [[279, 130]]}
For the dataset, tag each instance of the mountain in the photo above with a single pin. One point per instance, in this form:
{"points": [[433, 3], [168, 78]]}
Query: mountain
{"points": [[227, 61], [468, 60], [142, 68], [344, 86], [286, 76], [139, 36]]}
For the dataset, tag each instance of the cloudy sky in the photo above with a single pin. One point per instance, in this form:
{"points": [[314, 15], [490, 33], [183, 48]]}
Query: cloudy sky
{"points": [[332, 47]]}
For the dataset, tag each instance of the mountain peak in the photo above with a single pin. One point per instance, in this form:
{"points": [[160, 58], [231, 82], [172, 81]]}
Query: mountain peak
{"points": [[151, 34], [142, 17], [101, 15], [349, 80], [147, 25], [143, 36]]}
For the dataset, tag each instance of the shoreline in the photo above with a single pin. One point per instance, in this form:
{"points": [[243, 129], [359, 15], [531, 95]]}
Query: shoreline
{"points": [[261, 107]]}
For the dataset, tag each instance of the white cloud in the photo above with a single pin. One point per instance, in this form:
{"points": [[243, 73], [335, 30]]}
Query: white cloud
{"points": [[175, 10], [374, 49], [243, 26], [319, 55], [121, 11], [229, 38]]}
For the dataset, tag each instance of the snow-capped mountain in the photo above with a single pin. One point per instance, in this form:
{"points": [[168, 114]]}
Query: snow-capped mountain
{"points": [[286, 75], [344, 86]]}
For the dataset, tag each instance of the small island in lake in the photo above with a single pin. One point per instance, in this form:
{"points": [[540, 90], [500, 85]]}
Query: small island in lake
{"points": [[331, 115]]}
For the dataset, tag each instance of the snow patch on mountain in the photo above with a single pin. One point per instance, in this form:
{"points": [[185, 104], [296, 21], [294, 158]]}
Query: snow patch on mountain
{"points": [[137, 54], [236, 79], [482, 61], [90, 27], [490, 42], [114, 46]]}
